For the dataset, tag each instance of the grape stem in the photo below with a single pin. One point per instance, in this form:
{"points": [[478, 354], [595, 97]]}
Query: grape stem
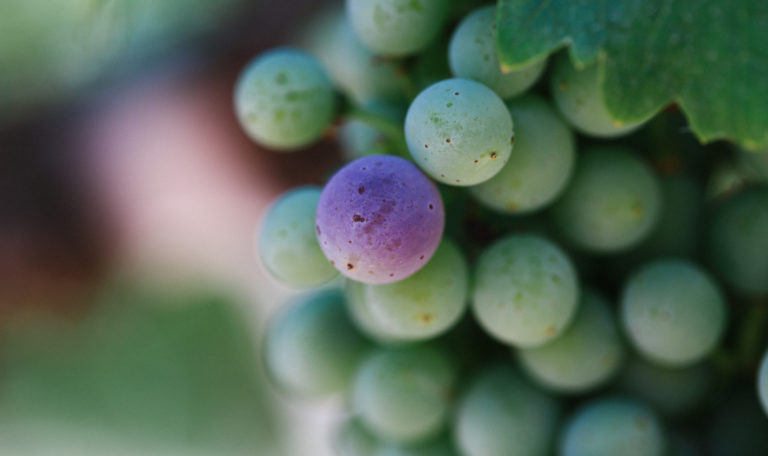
{"points": [[391, 129]]}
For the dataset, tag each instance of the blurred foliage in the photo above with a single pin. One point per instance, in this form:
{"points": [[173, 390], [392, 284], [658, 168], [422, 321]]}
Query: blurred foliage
{"points": [[142, 374], [48, 48]]}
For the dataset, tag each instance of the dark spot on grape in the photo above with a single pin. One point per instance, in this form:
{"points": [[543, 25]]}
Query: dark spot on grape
{"points": [[431, 207], [550, 331], [475, 161], [563, 86], [426, 318], [391, 274], [350, 266], [456, 93], [421, 257], [363, 169], [442, 175], [370, 272], [426, 146], [333, 263], [358, 218], [349, 242], [447, 140], [361, 190], [512, 140], [317, 227], [458, 180], [493, 155]]}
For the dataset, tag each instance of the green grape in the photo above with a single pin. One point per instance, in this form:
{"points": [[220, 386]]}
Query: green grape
{"points": [[440, 447], [673, 312], [359, 139], [472, 55], [526, 290], [611, 203], [578, 95], [762, 382], [459, 132], [312, 349], [425, 304], [738, 242], [503, 415], [284, 100], [404, 394], [613, 427], [585, 356], [352, 439], [671, 391], [355, 69], [287, 242], [363, 318], [397, 27], [540, 165]]}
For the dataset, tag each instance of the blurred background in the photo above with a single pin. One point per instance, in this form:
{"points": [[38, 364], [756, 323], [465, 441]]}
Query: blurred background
{"points": [[131, 299]]}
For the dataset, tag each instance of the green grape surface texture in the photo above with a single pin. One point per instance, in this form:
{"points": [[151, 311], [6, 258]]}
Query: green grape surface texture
{"points": [[526, 290], [502, 415], [538, 167], [312, 348], [425, 304], [472, 55], [673, 312], [613, 427], [397, 27], [611, 203], [287, 242], [404, 394], [738, 241], [577, 94], [284, 100], [585, 356], [459, 132]]}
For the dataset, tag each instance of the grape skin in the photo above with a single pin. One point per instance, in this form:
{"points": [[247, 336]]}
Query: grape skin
{"points": [[352, 439], [284, 100], [397, 27], [425, 304], [585, 356], [403, 394], [738, 242], [540, 164], [459, 132], [287, 242], [366, 215], [312, 348], [673, 312], [578, 95], [472, 55], [611, 203], [502, 415], [526, 290], [613, 427]]}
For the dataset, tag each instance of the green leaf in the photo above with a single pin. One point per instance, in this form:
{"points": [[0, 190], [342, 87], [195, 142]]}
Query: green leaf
{"points": [[709, 56]]}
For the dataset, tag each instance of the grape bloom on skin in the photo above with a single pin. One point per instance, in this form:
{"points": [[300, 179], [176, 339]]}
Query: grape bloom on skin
{"points": [[379, 219]]}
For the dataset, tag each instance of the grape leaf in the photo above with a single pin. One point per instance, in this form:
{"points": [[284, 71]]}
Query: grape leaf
{"points": [[709, 56]]}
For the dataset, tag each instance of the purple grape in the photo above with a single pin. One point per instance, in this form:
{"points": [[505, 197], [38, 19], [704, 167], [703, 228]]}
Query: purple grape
{"points": [[379, 219]]}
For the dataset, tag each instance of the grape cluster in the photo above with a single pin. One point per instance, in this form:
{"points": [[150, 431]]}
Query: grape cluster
{"points": [[520, 274]]}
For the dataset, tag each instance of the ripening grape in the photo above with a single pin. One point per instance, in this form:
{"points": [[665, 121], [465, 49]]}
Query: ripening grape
{"points": [[472, 55], [611, 203], [526, 290], [459, 132], [738, 241], [312, 348], [673, 312], [404, 394], [287, 242], [503, 415], [613, 427], [578, 95], [397, 27], [540, 164], [366, 218], [284, 99], [425, 304], [586, 355]]}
